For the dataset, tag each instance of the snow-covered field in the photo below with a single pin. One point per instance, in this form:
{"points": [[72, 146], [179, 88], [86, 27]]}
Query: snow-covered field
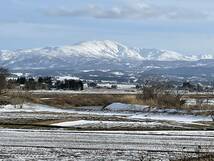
{"points": [[116, 115], [140, 112], [59, 139], [28, 144]]}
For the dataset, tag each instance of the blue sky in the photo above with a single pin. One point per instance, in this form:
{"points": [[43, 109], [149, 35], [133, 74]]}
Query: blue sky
{"points": [[181, 25]]}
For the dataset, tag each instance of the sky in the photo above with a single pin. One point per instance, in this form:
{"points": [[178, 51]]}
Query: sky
{"points": [[185, 26]]}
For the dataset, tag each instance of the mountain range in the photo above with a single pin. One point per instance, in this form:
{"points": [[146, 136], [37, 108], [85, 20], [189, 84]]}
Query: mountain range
{"points": [[104, 56], [85, 53]]}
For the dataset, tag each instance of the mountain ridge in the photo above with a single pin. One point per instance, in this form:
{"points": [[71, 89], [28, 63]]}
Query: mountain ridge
{"points": [[86, 53]]}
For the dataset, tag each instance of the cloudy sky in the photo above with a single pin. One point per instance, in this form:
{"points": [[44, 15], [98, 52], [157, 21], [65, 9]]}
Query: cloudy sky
{"points": [[182, 25]]}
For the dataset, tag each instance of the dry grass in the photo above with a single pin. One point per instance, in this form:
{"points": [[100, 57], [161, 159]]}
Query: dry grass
{"points": [[200, 107], [89, 100], [17, 98], [78, 100]]}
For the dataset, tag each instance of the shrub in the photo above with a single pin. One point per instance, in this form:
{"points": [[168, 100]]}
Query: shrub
{"points": [[157, 96]]}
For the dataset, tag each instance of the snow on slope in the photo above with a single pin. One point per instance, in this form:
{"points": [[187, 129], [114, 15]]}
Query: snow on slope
{"points": [[102, 49], [51, 57], [165, 55]]}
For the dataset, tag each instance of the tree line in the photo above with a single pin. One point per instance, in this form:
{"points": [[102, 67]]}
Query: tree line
{"points": [[46, 83], [31, 83]]}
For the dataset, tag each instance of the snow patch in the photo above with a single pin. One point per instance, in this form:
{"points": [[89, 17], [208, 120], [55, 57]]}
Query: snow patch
{"points": [[104, 123], [74, 123], [126, 107], [171, 117], [67, 78]]}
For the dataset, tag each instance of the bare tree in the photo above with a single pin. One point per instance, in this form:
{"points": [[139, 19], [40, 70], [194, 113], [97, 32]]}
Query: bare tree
{"points": [[3, 82], [160, 94]]}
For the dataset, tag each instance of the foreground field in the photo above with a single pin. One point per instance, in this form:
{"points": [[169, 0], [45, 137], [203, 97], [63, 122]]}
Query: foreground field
{"points": [[118, 131], [116, 116], [29, 144]]}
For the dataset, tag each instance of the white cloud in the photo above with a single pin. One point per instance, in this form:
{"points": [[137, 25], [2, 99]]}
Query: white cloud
{"points": [[136, 9]]}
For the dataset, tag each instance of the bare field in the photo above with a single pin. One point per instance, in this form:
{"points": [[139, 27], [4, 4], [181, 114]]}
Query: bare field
{"points": [[65, 145]]}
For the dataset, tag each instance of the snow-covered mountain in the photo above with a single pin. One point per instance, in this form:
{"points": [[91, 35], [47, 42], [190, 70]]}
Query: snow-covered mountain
{"points": [[93, 53], [164, 55]]}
